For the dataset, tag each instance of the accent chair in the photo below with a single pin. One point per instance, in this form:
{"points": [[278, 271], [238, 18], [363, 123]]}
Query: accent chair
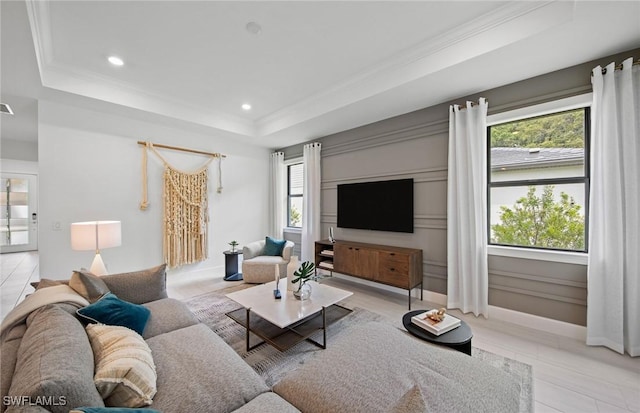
{"points": [[258, 265]]}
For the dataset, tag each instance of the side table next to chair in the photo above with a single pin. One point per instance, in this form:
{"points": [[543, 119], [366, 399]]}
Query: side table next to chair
{"points": [[231, 266]]}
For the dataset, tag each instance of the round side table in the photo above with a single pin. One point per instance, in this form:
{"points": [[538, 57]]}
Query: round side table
{"points": [[458, 339], [231, 266]]}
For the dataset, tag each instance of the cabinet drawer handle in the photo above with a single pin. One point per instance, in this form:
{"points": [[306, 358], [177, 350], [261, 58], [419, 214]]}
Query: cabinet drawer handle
{"points": [[357, 249], [392, 254], [392, 269]]}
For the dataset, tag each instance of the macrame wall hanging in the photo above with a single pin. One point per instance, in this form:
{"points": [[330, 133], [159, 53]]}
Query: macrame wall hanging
{"points": [[186, 212]]}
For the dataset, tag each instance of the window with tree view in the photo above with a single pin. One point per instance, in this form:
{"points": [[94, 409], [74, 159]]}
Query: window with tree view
{"points": [[539, 181], [295, 175]]}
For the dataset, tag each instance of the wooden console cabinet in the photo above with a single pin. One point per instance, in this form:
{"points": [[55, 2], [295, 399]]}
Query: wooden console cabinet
{"points": [[395, 266]]}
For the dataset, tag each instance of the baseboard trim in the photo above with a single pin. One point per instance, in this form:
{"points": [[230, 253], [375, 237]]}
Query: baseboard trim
{"points": [[216, 271], [548, 325], [560, 328]]}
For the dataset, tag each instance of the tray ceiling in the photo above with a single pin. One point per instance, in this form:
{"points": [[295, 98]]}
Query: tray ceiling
{"points": [[314, 67]]}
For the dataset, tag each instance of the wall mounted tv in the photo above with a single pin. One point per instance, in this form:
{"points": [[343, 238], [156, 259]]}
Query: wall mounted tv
{"points": [[380, 205]]}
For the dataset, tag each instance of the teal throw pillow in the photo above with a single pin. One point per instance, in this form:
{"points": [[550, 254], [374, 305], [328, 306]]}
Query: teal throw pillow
{"points": [[273, 247], [112, 410], [111, 310]]}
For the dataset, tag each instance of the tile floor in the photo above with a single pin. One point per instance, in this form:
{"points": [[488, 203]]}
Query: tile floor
{"points": [[568, 376], [17, 270]]}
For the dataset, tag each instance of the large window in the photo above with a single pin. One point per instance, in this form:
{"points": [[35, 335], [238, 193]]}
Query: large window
{"points": [[295, 183], [538, 181]]}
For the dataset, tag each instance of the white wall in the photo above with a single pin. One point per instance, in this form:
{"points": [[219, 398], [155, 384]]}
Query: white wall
{"points": [[90, 169], [18, 166], [15, 149]]}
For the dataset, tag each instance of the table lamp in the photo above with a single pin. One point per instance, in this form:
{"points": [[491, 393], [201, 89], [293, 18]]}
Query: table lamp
{"points": [[96, 235]]}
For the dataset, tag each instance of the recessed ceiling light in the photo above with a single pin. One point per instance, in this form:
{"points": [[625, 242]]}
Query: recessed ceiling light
{"points": [[246, 106], [115, 60], [253, 28]]}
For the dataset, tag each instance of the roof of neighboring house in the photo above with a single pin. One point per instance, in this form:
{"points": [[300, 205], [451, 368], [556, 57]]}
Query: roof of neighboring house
{"points": [[524, 158]]}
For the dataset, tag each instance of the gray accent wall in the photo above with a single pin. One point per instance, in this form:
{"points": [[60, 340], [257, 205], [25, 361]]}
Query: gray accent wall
{"points": [[415, 145]]}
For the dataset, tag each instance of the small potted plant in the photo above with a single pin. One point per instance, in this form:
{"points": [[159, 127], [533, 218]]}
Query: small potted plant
{"points": [[233, 244], [300, 277]]}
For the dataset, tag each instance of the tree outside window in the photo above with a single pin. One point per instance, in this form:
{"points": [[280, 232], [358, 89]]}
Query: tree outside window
{"points": [[541, 221]]}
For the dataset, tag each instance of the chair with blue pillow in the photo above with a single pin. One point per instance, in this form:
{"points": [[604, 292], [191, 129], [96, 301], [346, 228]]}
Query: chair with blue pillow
{"points": [[260, 258]]}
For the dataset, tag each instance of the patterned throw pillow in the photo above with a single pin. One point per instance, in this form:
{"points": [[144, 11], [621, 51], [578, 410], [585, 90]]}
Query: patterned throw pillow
{"points": [[273, 246], [125, 374], [113, 311]]}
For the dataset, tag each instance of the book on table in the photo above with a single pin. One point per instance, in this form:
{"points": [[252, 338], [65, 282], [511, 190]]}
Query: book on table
{"points": [[437, 328]]}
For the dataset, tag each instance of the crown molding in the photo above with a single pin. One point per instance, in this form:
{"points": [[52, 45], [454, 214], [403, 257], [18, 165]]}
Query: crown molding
{"points": [[90, 84], [96, 86], [40, 23], [506, 25]]}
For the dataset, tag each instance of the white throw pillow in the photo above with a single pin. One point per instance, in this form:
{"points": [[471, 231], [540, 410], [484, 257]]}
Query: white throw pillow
{"points": [[125, 374]]}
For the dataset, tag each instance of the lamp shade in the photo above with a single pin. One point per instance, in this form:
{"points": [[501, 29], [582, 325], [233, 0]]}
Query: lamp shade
{"points": [[95, 235]]}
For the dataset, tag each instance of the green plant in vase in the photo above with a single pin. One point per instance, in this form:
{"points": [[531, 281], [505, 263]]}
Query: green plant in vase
{"points": [[233, 244], [301, 276]]}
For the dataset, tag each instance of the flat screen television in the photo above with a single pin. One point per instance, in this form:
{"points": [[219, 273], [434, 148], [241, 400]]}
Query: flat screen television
{"points": [[380, 205]]}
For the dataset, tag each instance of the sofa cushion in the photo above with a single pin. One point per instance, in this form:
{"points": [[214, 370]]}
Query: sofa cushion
{"points": [[8, 356], [88, 285], [116, 312], [267, 403], [413, 401], [125, 372], [264, 260], [139, 287], [113, 410], [55, 360], [167, 315], [204, 365], [376, 366], [273, 246], [21, 408]]}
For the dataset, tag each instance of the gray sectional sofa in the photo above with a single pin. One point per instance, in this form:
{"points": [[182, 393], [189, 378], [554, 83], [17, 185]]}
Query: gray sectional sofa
{"points": [[375, 368]]}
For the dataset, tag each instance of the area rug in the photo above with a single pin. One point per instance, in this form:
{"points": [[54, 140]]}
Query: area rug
{"points": [[272, 365]]}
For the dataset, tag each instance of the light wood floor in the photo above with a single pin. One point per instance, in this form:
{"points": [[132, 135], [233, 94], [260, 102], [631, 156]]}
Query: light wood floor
{"points": [[568, 375], [16, 272]]}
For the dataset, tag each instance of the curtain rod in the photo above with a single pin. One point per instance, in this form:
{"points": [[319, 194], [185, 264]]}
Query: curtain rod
{"points": [[176, 148], [464, 107], [618, 67]]}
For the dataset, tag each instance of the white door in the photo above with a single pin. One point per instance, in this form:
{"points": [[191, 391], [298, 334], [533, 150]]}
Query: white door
{"points": [[18, 212]]}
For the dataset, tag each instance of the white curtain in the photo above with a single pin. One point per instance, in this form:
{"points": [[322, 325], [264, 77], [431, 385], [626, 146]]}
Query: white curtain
{"points": [[278, 194], [310, 200], [613, 303], [467, 269]]}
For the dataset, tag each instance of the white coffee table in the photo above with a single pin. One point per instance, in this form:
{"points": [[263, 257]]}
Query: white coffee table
{"points": [[287, 321]]}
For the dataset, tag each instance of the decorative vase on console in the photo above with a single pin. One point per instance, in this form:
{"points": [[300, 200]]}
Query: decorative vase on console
{"points": [[301, 277]]}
